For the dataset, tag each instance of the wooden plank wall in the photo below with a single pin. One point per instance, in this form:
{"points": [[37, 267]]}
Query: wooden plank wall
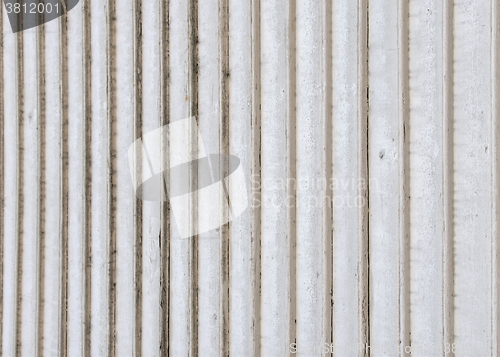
{"points": [[368, 135]]}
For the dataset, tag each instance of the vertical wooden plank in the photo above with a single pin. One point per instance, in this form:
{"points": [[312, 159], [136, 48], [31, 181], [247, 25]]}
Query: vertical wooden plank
{"points": [[30, 172], [276, 183], [78, 207], [214, 131], [125, 199], [313, 163], [474, 195], [431, 175], [350, 177], [53, 237], [11, 170], [244, 142], [78, 180], [388, 166], [183, 265], [100, 179], [151, 219]]}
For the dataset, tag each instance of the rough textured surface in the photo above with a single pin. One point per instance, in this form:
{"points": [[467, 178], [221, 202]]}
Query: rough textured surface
{"points": [[368, 134]]}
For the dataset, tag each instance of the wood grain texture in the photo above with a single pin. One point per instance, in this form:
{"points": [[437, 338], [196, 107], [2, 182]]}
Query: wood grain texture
{"points": [[350, 181], [367, 133]]}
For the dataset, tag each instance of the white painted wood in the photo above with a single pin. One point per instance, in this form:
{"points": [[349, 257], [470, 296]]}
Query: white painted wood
{"points": [[350, 179], [213, 124], [313, 163], [125, 199], [151, 214], [10, 225], [277, 154], [30, 279], [76, 181], [52, 277], [244, 141], [395, 101], [473, 178], [388, 172], [430, 176], [100, 180], [182, 330]]}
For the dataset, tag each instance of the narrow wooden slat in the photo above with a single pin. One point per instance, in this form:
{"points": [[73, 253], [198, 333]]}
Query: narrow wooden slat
{"points": [[30, 172], [11, 203], [100, 179], [78, 171], [53, 175], [77, 199], [151, 214], [183, 265], [125, 199]]}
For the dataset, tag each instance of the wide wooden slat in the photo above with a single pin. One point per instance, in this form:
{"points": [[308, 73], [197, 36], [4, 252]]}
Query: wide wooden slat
{"points": [[474, 198], [30, 213], [388, 168], [313, 165], [244, 142], [431, 176], [350, 177], [277, 238], [214, 131]]}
